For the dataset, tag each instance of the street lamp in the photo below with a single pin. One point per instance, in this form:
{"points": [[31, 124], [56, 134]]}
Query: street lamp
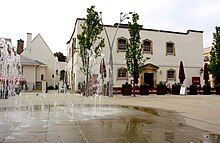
{"points": [[123, 16]]}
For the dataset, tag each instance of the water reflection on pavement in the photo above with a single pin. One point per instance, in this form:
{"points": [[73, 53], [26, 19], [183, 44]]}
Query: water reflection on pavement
{"points": [[98, 124]]}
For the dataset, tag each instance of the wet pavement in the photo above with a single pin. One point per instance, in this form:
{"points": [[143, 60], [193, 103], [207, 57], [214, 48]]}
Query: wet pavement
{"points": [[75, 119]]}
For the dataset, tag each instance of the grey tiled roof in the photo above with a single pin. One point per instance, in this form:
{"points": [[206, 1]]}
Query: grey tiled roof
{"points": [[27, 61]]}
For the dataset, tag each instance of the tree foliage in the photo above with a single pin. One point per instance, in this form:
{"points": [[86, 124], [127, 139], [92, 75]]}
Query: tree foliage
{"points": [[134, 53], [89, 41], [215, 56], [60, 56], [91, 29]]}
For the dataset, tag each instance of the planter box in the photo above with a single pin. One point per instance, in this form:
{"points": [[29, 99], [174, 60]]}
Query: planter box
{"points": [[126, 90], [217, 90], [144, 90], [175, 90], [161, 90], [193, 90], [206, 90]]}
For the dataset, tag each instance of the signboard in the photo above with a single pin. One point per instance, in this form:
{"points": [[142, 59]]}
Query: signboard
{"points": [[196, 80], [183, 89]]}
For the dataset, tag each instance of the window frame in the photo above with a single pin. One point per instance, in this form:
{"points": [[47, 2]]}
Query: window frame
{"points": [[121, 50], [150, 48], [126, 74], [173, 46], [174, 75]]}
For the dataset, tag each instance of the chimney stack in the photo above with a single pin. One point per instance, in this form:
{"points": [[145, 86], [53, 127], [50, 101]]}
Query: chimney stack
{"points": [[29, 39], [20, 46]]}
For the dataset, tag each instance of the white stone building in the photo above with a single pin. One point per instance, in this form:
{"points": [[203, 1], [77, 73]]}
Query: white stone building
{"points": [[39, 63], [164, 48]]}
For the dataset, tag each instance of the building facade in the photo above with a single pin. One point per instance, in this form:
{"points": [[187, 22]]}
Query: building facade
{"points": [[39, 63], [164, 48]]}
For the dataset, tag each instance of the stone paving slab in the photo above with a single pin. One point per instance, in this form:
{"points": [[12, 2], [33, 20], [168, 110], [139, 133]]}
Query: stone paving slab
{"points": [[67, 118]]}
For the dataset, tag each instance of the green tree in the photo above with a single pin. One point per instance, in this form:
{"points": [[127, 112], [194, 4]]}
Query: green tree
{"points": [[60, 56], [134, 54], [89, 41], [215, 56]]}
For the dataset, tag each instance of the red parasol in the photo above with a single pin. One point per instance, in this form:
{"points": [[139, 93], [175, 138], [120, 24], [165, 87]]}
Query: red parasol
{"points": [[103, 68], [181, 73]]}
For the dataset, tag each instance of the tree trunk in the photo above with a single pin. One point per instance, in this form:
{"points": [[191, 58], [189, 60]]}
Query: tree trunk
{"points": [[134, 87], [87, 77]]}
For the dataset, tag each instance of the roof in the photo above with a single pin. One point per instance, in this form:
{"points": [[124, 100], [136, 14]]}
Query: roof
{"points": [[27, 61], [145, 29], [33, 40]]}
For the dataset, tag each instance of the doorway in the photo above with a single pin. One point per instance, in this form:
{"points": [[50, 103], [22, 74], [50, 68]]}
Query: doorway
{"points": [[149, 79]]}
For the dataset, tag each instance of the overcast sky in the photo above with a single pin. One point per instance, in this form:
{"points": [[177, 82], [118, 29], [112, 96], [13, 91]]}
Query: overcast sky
{"points": [[55, 19]]}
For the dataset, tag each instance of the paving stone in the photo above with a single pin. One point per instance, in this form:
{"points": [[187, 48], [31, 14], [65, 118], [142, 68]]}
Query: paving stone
{"points": [[152, 119]]}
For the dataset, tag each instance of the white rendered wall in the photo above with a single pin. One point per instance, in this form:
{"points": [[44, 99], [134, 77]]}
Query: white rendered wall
{"points": [[29, 73], [188, 48], [39, 50]]}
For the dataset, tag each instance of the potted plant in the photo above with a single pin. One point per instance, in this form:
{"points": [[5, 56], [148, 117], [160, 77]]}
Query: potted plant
{"points": [[126, 89], [144, 89], [217, 88], [161, 89], [193, 89], [206, 89], [176, 88]]}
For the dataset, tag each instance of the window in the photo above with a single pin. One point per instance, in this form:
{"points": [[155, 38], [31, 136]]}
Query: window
{"points": [[122, 44], [42, 77], [171, 74], [52, 75], [170, 49], [122, 74], [147, 46], [62, 74], [74, 43]]}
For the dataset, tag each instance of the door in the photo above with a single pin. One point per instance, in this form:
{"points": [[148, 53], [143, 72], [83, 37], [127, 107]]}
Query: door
{"points": [[149, 79]]}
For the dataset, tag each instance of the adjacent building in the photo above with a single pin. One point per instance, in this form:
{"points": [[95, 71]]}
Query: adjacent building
{"points": [[164, 48], [40, 67]]}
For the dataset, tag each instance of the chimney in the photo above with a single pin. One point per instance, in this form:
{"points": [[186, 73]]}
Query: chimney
{"points": [[29, 39], [20, 46]]}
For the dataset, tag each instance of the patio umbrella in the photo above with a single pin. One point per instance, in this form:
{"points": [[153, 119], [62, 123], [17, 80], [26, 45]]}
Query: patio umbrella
{"points": [[103, 74], [103, 68], [206, 74], [181, 73]]}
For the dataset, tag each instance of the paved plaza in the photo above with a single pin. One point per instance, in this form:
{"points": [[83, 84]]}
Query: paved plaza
{"points": [[57, 117]]}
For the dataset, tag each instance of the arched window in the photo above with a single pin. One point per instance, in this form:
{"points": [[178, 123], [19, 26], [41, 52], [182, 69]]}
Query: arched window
{"points": [[171, 74], [170, 48], [62, 74], [122, 74], [122, 44], [147, 46]]}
